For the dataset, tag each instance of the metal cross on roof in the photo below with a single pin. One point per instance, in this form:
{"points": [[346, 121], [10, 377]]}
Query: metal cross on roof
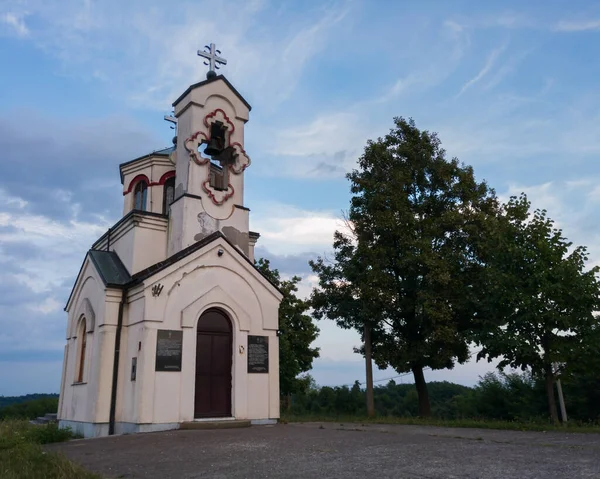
{"points": [[213, 59]]}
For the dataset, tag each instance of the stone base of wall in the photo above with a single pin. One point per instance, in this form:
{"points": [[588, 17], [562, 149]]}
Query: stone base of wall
{"points": [[133, 428], [85, 429], [263, 422], [91, 429]]}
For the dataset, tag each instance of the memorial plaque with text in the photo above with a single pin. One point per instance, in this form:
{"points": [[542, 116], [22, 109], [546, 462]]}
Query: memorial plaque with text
{"points": [[168, 350], [258, 354]]}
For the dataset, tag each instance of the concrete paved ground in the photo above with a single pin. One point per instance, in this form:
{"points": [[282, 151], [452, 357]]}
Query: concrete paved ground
{"points": [[337, 450]]}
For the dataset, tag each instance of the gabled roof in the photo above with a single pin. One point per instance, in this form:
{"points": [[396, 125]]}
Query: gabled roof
{"points": [[165, 152], [210, 80], [140, 276], [114, 274]]}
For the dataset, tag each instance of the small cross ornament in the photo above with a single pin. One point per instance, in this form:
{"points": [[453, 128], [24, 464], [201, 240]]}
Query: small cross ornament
{"points": [[213, 59]]}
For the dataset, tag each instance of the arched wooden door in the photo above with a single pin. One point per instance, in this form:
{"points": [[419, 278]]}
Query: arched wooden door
{"points": [[213, 365]]}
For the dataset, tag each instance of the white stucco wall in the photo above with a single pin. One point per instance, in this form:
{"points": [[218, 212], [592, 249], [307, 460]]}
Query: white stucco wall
{"points": [[191, 112], [140, 241], [89, 401], [197, 283]]}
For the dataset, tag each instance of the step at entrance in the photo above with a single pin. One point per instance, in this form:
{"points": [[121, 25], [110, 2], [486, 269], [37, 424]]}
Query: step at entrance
{"points": [[223, 424]]}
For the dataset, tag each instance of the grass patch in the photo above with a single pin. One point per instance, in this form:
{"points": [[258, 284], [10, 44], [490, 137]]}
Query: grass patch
{"points": [[22, 456], [464, 423]]}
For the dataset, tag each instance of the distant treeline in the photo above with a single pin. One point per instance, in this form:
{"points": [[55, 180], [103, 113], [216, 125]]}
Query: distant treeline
{"points": [[497, 396], [29, 406]]}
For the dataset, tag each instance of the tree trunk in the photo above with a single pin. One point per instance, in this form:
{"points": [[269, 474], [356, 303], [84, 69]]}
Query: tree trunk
{"points": [[369, 365], [424, 407], [550, 394], [289, 402]]}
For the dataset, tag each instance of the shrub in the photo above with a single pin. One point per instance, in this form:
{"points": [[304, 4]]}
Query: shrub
{"points": [[21, 454]]}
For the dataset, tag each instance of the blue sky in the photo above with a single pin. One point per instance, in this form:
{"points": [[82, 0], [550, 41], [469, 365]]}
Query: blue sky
{"points": [[511, 87]]}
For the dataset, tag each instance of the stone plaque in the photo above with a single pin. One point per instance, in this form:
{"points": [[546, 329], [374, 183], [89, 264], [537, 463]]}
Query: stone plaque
{"points": [[168, 350], [258, 354]]}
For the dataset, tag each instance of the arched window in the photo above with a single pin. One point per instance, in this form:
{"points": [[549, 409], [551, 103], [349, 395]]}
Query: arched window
{"points": [[168, 194], [82, 346], [140, 193]]}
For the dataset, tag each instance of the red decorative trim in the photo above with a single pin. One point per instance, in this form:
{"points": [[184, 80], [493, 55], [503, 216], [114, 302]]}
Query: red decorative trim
{"points": [[193, 149], [211, 195], [239, 169], [165, 177], [213, 114], [133, 182], [144, 178]]}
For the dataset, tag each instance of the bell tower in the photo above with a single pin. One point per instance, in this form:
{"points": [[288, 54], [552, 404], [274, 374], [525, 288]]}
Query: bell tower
{"points": [[210, 163]]}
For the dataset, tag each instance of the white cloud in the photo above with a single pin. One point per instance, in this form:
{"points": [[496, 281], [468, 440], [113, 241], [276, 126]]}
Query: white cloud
{"points": [[325, 134], [59, 243], [17, 22], [285, 229], [49, 305], [489, 64], [578, 26]]}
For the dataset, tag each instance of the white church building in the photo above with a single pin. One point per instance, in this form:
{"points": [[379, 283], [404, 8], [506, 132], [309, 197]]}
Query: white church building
{"points": [[169, 321]]}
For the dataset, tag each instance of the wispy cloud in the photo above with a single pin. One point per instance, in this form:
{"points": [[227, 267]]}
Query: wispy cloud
{"points": [[17, 22], [508, 68], [489, 64], [578, 26], [160, 58]]}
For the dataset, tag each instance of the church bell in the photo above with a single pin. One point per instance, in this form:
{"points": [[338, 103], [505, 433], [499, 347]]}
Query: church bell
{"points": [[216, 143]]}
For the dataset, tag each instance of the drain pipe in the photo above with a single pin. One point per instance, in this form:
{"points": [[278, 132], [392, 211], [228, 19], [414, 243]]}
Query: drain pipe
{"points": [[115, 378]]}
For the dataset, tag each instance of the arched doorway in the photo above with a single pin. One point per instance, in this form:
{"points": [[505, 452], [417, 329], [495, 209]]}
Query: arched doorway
{"points": [[213, 365]]}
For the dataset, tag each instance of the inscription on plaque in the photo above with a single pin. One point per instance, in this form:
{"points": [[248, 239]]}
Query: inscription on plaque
{"points": [[258, 354], [168, 350]]}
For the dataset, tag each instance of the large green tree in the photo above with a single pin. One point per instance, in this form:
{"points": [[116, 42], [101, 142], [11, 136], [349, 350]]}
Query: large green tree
{"points": [[345, 295], [538, 299], [297, 332], [417, 218]]}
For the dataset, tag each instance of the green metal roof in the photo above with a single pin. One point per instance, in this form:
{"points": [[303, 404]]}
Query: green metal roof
{"points": [[110, 268]]}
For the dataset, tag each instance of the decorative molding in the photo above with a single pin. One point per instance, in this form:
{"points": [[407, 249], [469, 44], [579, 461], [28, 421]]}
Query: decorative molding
{"points": [[192, 144], [157, 289], [165, 177], [219, 298], [214, 194], [242, 160], [219, 115], [142, 177], [135, 181], [186, 195], [207, 81]]}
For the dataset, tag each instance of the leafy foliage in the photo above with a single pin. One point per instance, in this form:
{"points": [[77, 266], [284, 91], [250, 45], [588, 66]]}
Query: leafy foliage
{"points": [[10, 400], [296, 332], [538, 301], [497, 397], [409, 267], [30, 409]]}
